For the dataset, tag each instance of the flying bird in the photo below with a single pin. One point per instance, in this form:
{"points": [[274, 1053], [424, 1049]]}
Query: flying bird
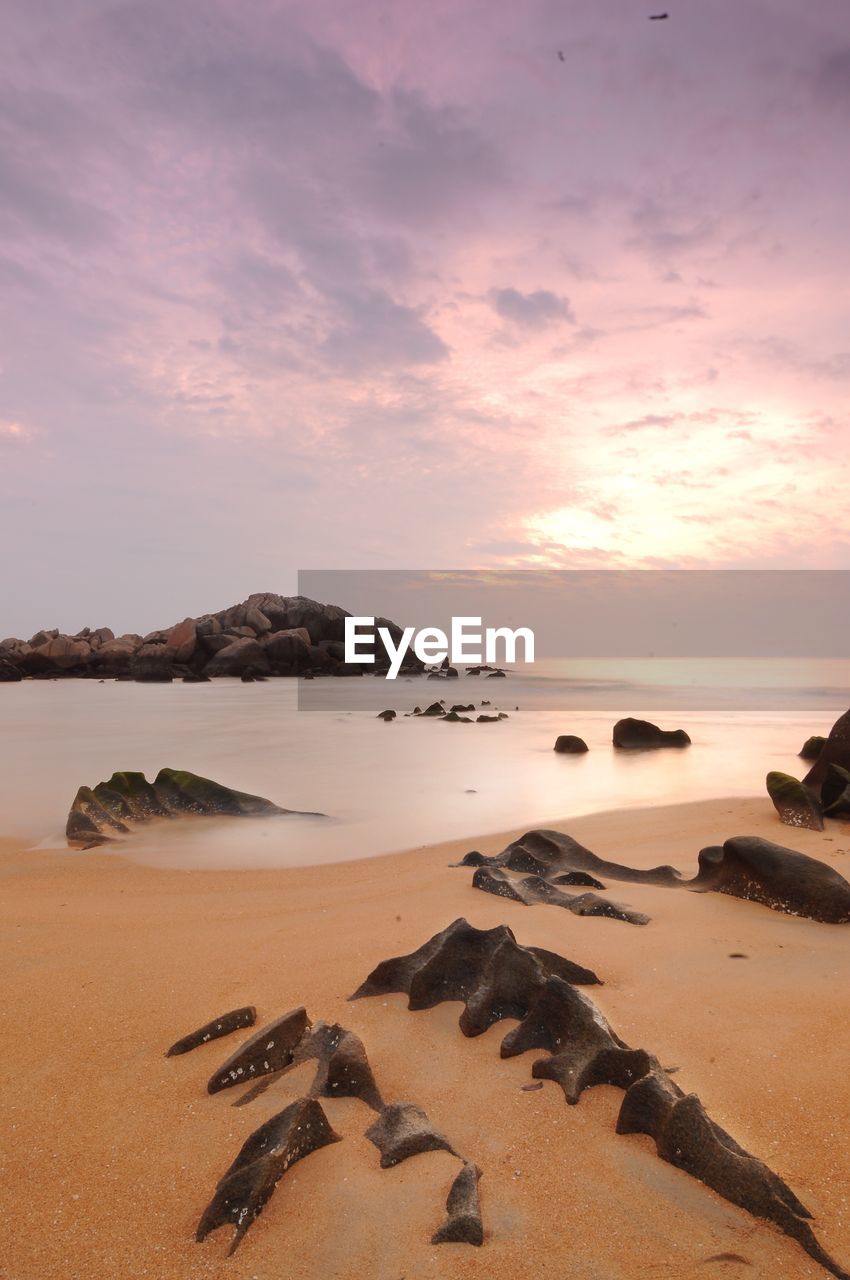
{"points": [[561, 56]]}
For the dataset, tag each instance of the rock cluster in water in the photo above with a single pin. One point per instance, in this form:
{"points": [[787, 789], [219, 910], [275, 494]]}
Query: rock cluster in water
{"points": [[265, 635]]}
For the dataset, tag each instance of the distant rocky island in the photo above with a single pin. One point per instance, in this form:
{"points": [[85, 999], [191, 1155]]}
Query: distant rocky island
{"points": [[265, 635]]}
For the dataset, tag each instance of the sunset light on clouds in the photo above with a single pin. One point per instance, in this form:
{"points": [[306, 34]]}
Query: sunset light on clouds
{"points": [[396, 285]]}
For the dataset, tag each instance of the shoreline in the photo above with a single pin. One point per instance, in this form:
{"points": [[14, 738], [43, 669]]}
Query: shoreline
{"points": [[117, 1149]]}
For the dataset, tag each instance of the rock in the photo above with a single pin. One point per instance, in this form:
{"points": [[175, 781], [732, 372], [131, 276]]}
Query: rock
{"points": [[257, 620], [343, 1070], [835, 792], [633, 734], [485, 719], [115, 656], [569, 744], [534, 889], [267, 1050], [128, 798], [239, 654], [812, 747], [451, 673], [288, 651], [836, 750], [463, 1225], [544, 852], [101, 637], [460, 707], [262, 1161], [208, 626], [435, 709], [756, 869], [151, 664], [65, 652], [403, 1130], [454, 718], [385, 715], [222, 1026], [183, 640], [9, 674], [794, 802], [195, 677]]}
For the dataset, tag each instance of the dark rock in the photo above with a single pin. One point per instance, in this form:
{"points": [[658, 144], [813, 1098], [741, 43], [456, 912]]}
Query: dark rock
{"points": [[794, 802], [128, 798], [451, 673], [835, 792], [641, 734], [403, 1130], [534, 889], [756, 869], [289, 651], [454, 718], [195, 677], [9, 674], [233, 1021], [569, 744], [576, 878], [544, 852], [687, 1137], [268, 1050], [151, 664], [812, 747], [235, 657], [343, 1070], [836, 750], [482, 719], [496, 675], [385, 715], [435, 709], [460, 707], [463, 1225], [247, 1185]]}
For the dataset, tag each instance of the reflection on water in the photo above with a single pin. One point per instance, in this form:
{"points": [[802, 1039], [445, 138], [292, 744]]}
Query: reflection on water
{"points": [[414, 781]]}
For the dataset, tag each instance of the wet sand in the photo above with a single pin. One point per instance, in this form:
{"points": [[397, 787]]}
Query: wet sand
{"points": [[115, 1150]]}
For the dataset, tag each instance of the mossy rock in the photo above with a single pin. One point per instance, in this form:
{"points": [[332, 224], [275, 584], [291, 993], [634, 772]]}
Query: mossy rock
{"points": [[794, 802]]}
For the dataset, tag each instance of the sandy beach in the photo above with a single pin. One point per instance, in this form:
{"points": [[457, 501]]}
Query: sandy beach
{"points": [[114, 1150]]}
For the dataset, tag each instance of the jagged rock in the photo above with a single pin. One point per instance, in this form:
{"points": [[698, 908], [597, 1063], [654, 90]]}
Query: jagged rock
{"points": [[344, 1070], [236, 656], [463, 1225], [485, 968], [460, 707], [403, 1130], [245, 1188], [812, 747], [794, 802], [836, 750], [385, 715], [9, 674], [454, 718], [222, 1026], [640, 734], [835, 792], [268, 1050], [756, 869], [569, 744], [687, 1137], [257, 620], [544, 852], [435, 709], [534, 889], [128, 798]]}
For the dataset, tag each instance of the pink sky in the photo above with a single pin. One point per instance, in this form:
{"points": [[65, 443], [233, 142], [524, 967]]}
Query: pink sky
{"points": [[360, 284]]}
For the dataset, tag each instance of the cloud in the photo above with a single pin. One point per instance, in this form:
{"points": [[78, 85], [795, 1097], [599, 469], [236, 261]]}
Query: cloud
{"points": [[377, 333], [537, 310]]}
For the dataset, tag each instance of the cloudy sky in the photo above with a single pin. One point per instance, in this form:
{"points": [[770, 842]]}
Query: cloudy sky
{"points": [[419, 284]]}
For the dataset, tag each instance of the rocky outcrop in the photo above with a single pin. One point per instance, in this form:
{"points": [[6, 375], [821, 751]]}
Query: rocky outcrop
{"points": [[268, 1050], [268, 634], [836, 750], [812, 747], [547, 853], [796, 805], [113, 808], [569, 745], [756, 869], [535, 889], [835, 792], [641, 735], [583, 1051]]}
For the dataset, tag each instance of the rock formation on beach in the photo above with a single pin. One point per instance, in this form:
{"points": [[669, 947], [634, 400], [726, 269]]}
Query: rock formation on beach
{"points": [[99, 814], [744, 867], [214, 1030], [266, 634], [400, 1130], [483, 969], [796, 805]]}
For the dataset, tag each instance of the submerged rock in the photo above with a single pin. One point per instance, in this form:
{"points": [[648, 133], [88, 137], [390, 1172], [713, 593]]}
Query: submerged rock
{"points": [[633, 734], [794, 802], [812, 747], [113, 807], [569, 744]]}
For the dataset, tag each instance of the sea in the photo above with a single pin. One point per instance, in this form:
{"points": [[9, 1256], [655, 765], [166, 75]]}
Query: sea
{"points": [[384, 787]]}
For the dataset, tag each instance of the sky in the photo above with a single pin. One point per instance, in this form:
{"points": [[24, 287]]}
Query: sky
{"points": [[455, 284]]}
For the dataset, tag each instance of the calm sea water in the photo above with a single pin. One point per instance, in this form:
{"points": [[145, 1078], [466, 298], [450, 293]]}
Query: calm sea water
{"points": [[415, 781]]}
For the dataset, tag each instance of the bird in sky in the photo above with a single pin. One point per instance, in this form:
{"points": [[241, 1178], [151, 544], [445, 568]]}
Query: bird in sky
{"points": [[561, 56]]}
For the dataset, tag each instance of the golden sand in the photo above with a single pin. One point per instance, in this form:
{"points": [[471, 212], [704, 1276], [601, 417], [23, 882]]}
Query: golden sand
{"points": [[114, 1150]]}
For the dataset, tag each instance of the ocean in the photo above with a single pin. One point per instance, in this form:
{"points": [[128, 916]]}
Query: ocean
{"points": [[414, 781]]}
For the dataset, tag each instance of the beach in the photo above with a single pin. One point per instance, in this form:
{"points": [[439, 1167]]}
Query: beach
{"points": [[115, 1150]]}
